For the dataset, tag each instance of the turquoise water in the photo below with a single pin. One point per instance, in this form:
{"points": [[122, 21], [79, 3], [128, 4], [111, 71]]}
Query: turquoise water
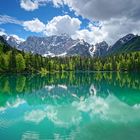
{"points": [[70, 106]]}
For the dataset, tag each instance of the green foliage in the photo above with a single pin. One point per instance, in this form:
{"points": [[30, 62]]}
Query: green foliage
{"points": [[4, 61], [20, 63], [43, 71]]}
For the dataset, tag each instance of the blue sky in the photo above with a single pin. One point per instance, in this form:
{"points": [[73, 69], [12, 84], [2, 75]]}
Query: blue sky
{"points": [[46, 13], [91, 20]]}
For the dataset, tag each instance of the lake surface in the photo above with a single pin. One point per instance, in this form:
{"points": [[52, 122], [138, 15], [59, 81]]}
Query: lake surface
{"points": [[70, 106]]}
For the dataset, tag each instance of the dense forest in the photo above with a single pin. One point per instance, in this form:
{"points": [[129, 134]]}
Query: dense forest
{"points": [[13, 60]]}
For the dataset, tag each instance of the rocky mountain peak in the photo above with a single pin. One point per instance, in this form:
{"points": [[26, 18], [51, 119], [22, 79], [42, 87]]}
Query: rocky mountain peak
{"points": [[64, 45]]}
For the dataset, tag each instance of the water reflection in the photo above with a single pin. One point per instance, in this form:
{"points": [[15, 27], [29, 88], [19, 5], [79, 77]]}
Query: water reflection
{"points": [[64, 85], [67, 105]]}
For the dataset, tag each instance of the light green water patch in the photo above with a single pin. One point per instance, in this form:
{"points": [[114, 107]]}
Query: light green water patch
{"points": [[70, 106]]}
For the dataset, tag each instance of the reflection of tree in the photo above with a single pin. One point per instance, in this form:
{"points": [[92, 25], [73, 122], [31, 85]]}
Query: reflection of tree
{"points": [[77, 84], [20, 83], [6, 86], [29, 83], [119, 79]]}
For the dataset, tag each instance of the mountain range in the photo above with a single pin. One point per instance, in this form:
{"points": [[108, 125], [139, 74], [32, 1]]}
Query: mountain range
{"points": [[64, 45]]}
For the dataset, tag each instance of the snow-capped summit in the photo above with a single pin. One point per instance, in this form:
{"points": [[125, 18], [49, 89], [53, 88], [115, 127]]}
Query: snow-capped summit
{"points": [[126, 38], [56, 45], [13, 40], [63, 45], [119, 45], [101, 49]]}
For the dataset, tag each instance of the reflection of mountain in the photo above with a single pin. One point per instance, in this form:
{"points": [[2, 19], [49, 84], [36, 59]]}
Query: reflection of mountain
{"points": [[71, 86], [69, 104]]}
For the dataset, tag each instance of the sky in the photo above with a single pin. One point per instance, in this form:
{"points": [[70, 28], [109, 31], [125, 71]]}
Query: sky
{"points": [[91, 20]]}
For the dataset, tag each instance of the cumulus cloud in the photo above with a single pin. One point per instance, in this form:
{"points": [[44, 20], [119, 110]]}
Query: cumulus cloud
{"points": [[29, 5], [91, 36], [17, 37], [34, 25], [118, 17], [93, 9], [2, 32], [111, 31], [57, 3], [62, 24], [119, 27], [103, 9]]}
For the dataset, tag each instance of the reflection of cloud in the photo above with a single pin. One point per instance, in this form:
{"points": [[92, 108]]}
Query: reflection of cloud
{"points": [[63, 86], [14, 104], [49, 88], [17, 103], [74, 95], [2, 109], [29, 135], [35, 116], [63, 116], [92, 104], [92, 90], [110, 108]]}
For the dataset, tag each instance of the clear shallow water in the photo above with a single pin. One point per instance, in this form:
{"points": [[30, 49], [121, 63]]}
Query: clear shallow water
{"points": [[69, 106]]}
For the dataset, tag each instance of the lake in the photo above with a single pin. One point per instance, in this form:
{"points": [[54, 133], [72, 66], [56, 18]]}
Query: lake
{"points": [[70, 106]]}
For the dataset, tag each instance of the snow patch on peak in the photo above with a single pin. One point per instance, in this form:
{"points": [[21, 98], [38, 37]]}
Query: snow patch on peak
{"points": [[49, 54], [92, 50], [42, 43]]}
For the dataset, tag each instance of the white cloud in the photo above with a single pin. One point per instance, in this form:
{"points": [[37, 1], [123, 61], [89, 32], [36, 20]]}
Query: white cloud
{"points": [[62, 24], [12, 104], [35, 116], [111, 31], [2, 32], [34, 25], [119, 27], [4, 19], [57, 3], [91, 36], [17, 37], [119, 18], [102, 9], [29, 5]]}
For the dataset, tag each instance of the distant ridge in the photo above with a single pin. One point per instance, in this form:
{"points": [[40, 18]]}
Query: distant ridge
{"points": [[63, 45]]}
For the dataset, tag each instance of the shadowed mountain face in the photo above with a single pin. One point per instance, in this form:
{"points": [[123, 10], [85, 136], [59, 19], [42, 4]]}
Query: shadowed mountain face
{"points": [[128, 43], [101, 49], [64, 45]]}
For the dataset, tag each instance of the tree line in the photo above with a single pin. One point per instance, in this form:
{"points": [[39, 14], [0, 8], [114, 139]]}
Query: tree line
{"points": [[12, 60]]}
